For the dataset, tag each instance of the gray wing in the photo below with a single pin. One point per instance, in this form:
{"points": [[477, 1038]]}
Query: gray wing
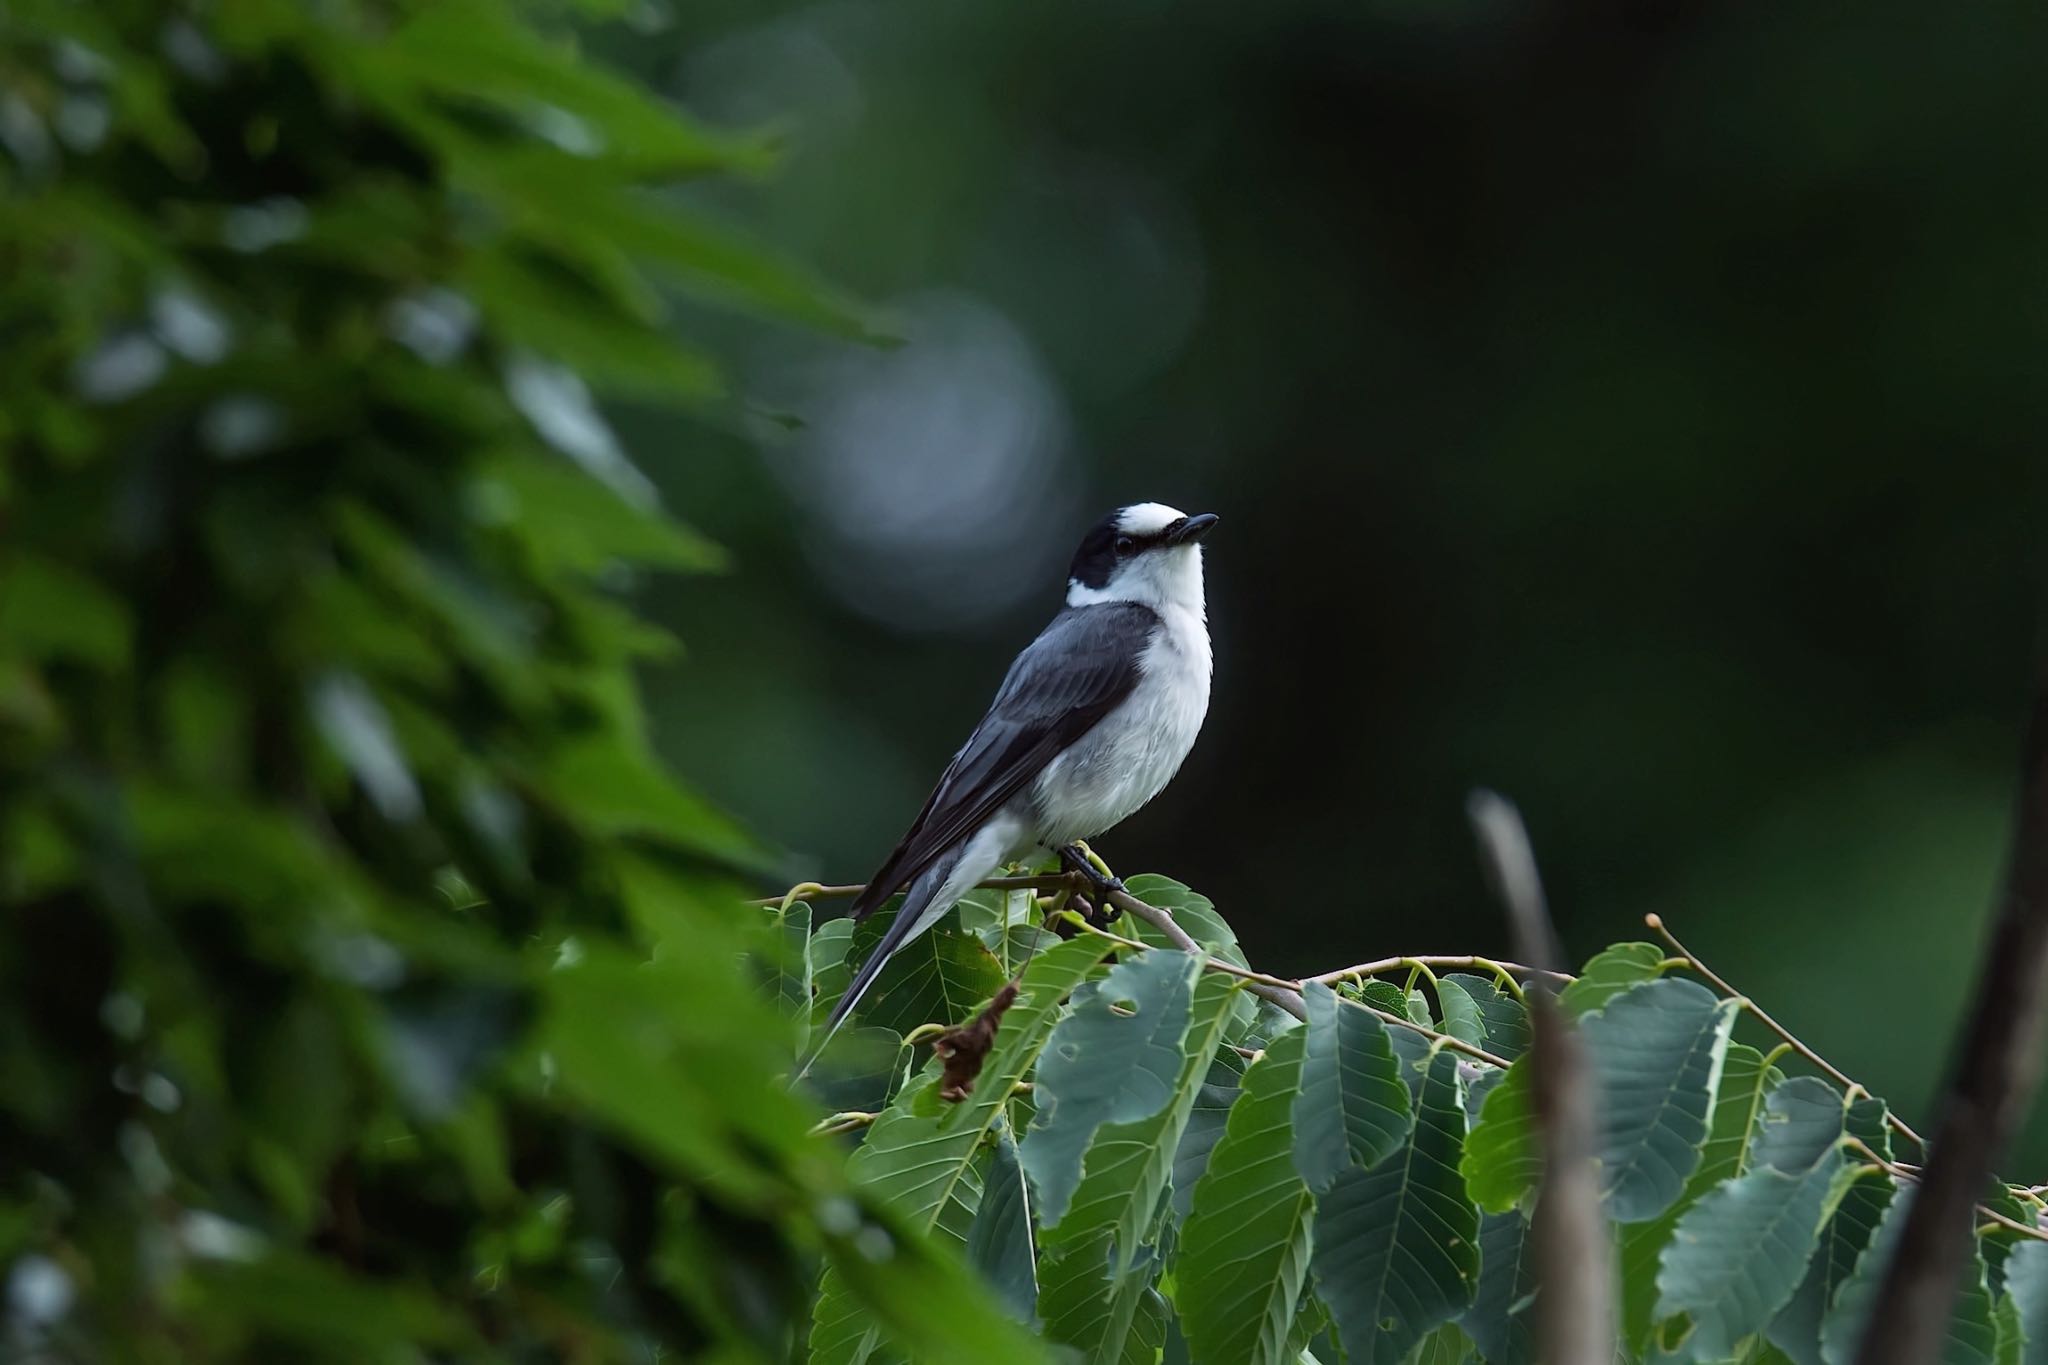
{"points": [[1075, 673]]}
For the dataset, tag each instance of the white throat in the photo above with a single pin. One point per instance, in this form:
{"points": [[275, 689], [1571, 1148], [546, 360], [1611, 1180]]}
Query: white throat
{"points": [[1168, 580]]}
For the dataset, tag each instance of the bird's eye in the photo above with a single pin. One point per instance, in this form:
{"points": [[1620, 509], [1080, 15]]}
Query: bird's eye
{"points": [[1125, 547]]}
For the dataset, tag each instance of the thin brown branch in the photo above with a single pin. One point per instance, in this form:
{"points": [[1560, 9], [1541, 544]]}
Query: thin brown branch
{"points": [[1282, 992], [1575, 1311], [1383, 965], [812, 891], [1911, 1175], [1834, 1073], [1997, 1064], [1259, 979]]}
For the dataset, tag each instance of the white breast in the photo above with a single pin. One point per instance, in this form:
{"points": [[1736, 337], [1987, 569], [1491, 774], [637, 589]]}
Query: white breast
{"points": [[1130, 756]]}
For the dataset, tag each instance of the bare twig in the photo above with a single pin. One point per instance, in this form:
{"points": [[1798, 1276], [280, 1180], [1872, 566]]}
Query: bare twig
{"points": [[1380, 966], [1282, 992], [1573, 1246], [834, 1124], [1258, 979], [813, 891], [1993, 1077], [1911, 1175], [1692, 961]]}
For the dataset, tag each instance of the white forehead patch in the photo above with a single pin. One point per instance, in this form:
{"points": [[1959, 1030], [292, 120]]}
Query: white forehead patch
{"points": [[1147, 518]]}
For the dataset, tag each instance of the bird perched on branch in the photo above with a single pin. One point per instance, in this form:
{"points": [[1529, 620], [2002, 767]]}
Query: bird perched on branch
{"points": [[1092, 722]]}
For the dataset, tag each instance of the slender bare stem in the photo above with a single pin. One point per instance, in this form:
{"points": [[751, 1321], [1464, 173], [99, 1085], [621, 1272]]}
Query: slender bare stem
{"points": [[1258, 979], [1912, 1176], [1692, 961]]}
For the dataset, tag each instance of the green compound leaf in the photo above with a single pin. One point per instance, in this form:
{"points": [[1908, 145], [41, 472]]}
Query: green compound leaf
{"points": [[939, 977], [1738, 1111], [1207, 1117], [1500, 1321], [1610, 973], [1796, 1329], [1397, 1246], [927, 1166], [1972, 1334], [1114, 1058], [1462, 1019], [1738, 1254], [1107, 1316], [2026, 1289], [1193, 911], [1353, 1106], [1501, 1162], [1128, 1166], [999, 1244], [1506, 1018], [1657, 1050], [1244, 1252]]}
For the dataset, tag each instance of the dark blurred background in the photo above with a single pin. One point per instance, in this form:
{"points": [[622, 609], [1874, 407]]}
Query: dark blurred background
{"points": [[1633, 408]]}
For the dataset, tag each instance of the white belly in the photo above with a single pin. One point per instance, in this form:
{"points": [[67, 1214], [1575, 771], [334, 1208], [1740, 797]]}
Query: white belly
{"points": [[1130, 756]]}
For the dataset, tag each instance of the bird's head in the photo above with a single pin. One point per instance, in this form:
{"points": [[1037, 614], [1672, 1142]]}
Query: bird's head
{"points": [[1147, 552]]}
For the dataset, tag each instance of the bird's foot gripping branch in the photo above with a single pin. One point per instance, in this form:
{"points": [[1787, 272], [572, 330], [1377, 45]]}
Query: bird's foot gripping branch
{"points": [[1157, 1153]]}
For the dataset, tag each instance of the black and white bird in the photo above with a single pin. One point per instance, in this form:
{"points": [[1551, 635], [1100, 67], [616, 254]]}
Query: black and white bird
{"points": [[1093, 720]]}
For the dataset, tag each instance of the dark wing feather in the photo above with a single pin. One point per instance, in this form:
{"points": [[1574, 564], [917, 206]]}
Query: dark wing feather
{"points": [[1075, 673]]}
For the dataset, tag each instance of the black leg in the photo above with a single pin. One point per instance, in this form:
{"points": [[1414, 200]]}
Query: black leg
{"points": [[1074, 860], [1096, 907]]}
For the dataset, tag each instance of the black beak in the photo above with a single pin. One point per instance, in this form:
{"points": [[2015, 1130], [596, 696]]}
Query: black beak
{"points": [[1192, 529]]}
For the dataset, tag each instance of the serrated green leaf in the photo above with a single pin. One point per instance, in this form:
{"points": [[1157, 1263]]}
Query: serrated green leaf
{"points": [[1738, 1109], [1114, 1058], [1244, 1252], [925, 1165], [1193, 911], [1796, 1328], [1462, 1019], [1447, 1345], [994, 917], [1500, 1321], [2012, 1334], [1739, 1252], [1657, 1050], [1506, 1019], [1397, 1245], [1502, 1162], [1972, 1338], [1384, 995], [1352, 1109], [1126, 1169], [830, 971], [1102, 1315], [1609, 973], [2026, 1289], [939, 977], [1207, 1118], [1000, 1244], [793, 968]]}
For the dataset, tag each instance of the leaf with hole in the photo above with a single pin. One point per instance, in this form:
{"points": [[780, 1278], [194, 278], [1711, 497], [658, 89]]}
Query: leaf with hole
{"points": [[1114, 1058]]}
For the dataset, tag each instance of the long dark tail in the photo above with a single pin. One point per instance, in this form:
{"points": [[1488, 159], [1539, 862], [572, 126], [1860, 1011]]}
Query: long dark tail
{"points": [[901, 930]]}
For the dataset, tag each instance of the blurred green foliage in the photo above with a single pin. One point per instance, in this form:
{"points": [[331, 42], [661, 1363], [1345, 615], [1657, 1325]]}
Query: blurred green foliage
{"points": [[367, 990]]}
